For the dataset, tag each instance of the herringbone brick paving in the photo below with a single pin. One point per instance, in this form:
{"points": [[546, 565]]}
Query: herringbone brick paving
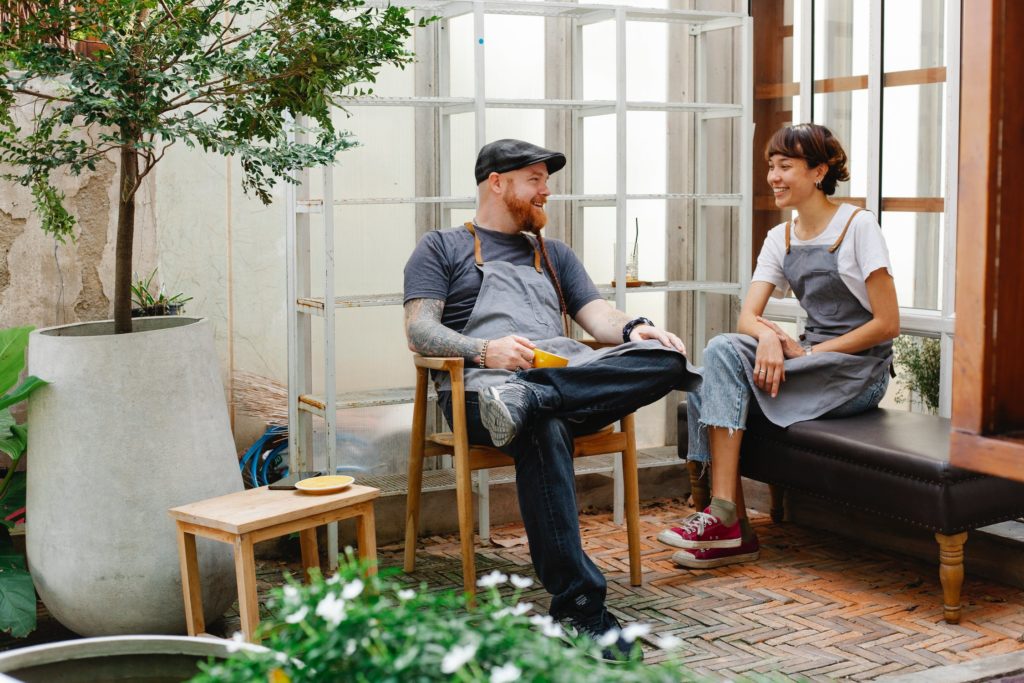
{"points": [[814, 606]]}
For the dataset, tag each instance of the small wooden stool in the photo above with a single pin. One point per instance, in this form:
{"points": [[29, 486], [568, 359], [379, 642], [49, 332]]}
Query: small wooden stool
{"points": [[248, 517]]}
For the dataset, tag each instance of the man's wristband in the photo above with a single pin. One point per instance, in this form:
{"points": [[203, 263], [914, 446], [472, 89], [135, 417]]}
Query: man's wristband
{"points": [[632, 325], [483, 353]]}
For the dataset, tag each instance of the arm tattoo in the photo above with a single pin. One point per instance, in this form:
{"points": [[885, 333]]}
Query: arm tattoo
{"points": [[427, 336]]}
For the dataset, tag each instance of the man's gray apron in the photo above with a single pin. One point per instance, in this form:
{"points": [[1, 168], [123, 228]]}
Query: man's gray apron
{"points": [[818, 383], [522, 300]]}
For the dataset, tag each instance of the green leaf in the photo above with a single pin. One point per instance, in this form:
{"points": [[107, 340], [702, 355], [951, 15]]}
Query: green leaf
{"points": [[17, 594], [30, 384], [14, 500], [13, 341], [12, 438]]}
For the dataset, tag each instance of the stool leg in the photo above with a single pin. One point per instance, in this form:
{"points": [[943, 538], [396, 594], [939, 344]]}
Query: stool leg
{"points": [[464, 505], [190, 586], [951, 573], [415, 480], [245, 576], [631, 495], [778, 504], [366, 536], [310, 551]]}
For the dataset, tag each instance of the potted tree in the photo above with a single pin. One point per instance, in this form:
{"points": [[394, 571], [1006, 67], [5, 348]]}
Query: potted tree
{"points": [[132, 424]]}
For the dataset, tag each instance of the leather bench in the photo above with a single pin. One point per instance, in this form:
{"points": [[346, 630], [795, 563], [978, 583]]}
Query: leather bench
{"points": [[886, 462]]}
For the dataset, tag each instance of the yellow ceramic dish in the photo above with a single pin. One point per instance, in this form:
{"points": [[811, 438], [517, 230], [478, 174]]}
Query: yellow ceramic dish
{"points": [[331, 483]]}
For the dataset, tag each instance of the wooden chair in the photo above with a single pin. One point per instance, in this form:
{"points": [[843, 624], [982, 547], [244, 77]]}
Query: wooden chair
{"points": [[469, 458]]}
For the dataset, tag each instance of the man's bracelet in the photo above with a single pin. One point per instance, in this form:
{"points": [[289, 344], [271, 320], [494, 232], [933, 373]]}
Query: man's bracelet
{"points": [[632, 325], [483, 353]]}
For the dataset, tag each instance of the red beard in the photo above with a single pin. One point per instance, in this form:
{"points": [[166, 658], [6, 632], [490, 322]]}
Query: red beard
{"points": [[526, 215]]}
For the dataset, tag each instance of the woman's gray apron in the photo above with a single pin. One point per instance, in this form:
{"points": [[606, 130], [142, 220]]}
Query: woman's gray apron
{"points": [[818, 383], [522, 300]]}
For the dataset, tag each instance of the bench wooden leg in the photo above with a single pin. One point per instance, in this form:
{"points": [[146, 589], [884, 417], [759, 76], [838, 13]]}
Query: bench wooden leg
{"points": [[778, 504], [700, 487], [245, 575], [190, 586], [951, 573], [631, 491]]}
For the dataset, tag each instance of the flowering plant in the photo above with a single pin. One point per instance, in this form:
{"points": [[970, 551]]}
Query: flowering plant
{"points": [[354, 627]]}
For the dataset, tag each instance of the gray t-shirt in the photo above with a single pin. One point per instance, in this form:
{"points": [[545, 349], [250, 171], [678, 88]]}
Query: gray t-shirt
{"points": [[442, 267]]}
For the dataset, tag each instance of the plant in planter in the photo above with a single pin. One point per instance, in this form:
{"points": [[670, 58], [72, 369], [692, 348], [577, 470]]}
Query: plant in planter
{"points": [[17, 596], [147, 302], [918, 360], [136, 423], [351, 627]]}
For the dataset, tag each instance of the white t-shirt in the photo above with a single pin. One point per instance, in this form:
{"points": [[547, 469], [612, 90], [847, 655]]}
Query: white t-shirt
{"points": [[862, 252]]}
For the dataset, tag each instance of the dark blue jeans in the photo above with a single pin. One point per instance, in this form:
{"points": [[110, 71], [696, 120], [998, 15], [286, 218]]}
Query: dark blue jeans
{"points": [[571, 401]]}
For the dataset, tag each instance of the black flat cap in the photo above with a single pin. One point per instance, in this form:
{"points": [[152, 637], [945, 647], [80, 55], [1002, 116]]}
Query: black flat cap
{"points": [[506, 155]]}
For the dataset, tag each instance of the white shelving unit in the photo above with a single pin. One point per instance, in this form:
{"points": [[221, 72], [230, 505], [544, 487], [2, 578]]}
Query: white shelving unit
{"points": [[300, 204]]}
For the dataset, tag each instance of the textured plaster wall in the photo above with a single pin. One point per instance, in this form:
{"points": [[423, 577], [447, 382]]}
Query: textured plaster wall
{"points": [[43, 282]]}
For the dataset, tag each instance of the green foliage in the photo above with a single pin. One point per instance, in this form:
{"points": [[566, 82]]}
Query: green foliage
{"points": [[917, 363], [13, 438], [225, 76], [357, 628], [145, 298], [17, 594]]}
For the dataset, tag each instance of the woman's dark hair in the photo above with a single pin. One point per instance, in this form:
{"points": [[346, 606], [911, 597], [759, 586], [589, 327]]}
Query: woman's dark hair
{"points": [[814, 144]]}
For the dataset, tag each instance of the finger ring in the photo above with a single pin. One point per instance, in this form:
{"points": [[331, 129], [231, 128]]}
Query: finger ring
{"points": [[764, 372]]}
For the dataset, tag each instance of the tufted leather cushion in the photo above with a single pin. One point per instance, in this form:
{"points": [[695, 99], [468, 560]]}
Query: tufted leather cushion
{"points": [[888, 462]]}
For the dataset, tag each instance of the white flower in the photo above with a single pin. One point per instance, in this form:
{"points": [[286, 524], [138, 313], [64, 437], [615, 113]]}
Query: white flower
{"points": [[547, 625], [668, 642], [517, 611], [291, 595], [331, 609], [459, 655], [336, 578], [406, 594], [350, 647], [298, 615], [235, 644], [634, 631], [495, 578], [505, 674], [609, 638], [521, 581], [281, 657], [352, 589]]}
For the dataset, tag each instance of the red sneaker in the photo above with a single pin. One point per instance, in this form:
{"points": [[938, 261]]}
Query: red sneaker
{"points": [[703, 530], [710, 558]]}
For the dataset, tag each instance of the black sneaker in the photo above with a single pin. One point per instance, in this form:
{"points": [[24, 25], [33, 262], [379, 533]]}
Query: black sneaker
{"points": [[503, 411], [604, 629]]}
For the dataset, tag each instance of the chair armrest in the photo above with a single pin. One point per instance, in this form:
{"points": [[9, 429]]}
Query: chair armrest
{"points": [[446, 364]]}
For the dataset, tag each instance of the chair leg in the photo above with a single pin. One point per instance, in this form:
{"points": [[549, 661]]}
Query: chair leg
{"points": [[778, 504], [464, 504], [415, 481], [951, 573], [631, 494]]}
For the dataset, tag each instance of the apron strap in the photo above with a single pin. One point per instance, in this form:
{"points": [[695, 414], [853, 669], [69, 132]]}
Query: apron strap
{"points": [[479, 257], [843, 233], [788, 223]]}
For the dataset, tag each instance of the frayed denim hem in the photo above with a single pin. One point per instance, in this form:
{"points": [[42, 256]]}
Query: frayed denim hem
{"points": [[702, 428]]}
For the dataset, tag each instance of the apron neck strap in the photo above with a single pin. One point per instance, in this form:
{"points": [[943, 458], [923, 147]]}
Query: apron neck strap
{"points": [[839, 240], [479, 257], [843, 233]]}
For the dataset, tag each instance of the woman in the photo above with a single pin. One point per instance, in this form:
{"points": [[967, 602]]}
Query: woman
{"points": [[834, 258]]}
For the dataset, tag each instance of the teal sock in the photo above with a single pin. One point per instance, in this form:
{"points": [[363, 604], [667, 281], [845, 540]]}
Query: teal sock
{"points": [[725, 510], [746, 530]]}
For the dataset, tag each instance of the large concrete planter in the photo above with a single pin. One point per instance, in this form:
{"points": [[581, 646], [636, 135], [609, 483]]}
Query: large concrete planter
{"points": [[124, 658], [129, 426]]}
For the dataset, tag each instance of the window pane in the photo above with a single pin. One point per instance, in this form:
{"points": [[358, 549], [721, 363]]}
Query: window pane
{"points": [[914, 34], [913, 135], [841, 32], [915, 250]]}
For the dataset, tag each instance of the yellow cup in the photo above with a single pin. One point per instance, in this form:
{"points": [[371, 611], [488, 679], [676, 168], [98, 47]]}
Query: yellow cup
{"points": [[543, 359]]}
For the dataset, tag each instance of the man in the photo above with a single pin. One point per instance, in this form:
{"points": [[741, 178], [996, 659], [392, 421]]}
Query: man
{"points": [[491, 292]]}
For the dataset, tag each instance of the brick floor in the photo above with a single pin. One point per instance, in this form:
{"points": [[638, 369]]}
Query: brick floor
{"points": [[813, 607]]}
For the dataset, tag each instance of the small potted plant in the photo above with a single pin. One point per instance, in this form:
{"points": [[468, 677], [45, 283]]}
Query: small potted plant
{"points": [[146, 302]]}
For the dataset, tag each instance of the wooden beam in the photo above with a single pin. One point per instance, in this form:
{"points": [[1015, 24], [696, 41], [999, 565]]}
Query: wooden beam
{"points": [[892, 79], [988, 366]]}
